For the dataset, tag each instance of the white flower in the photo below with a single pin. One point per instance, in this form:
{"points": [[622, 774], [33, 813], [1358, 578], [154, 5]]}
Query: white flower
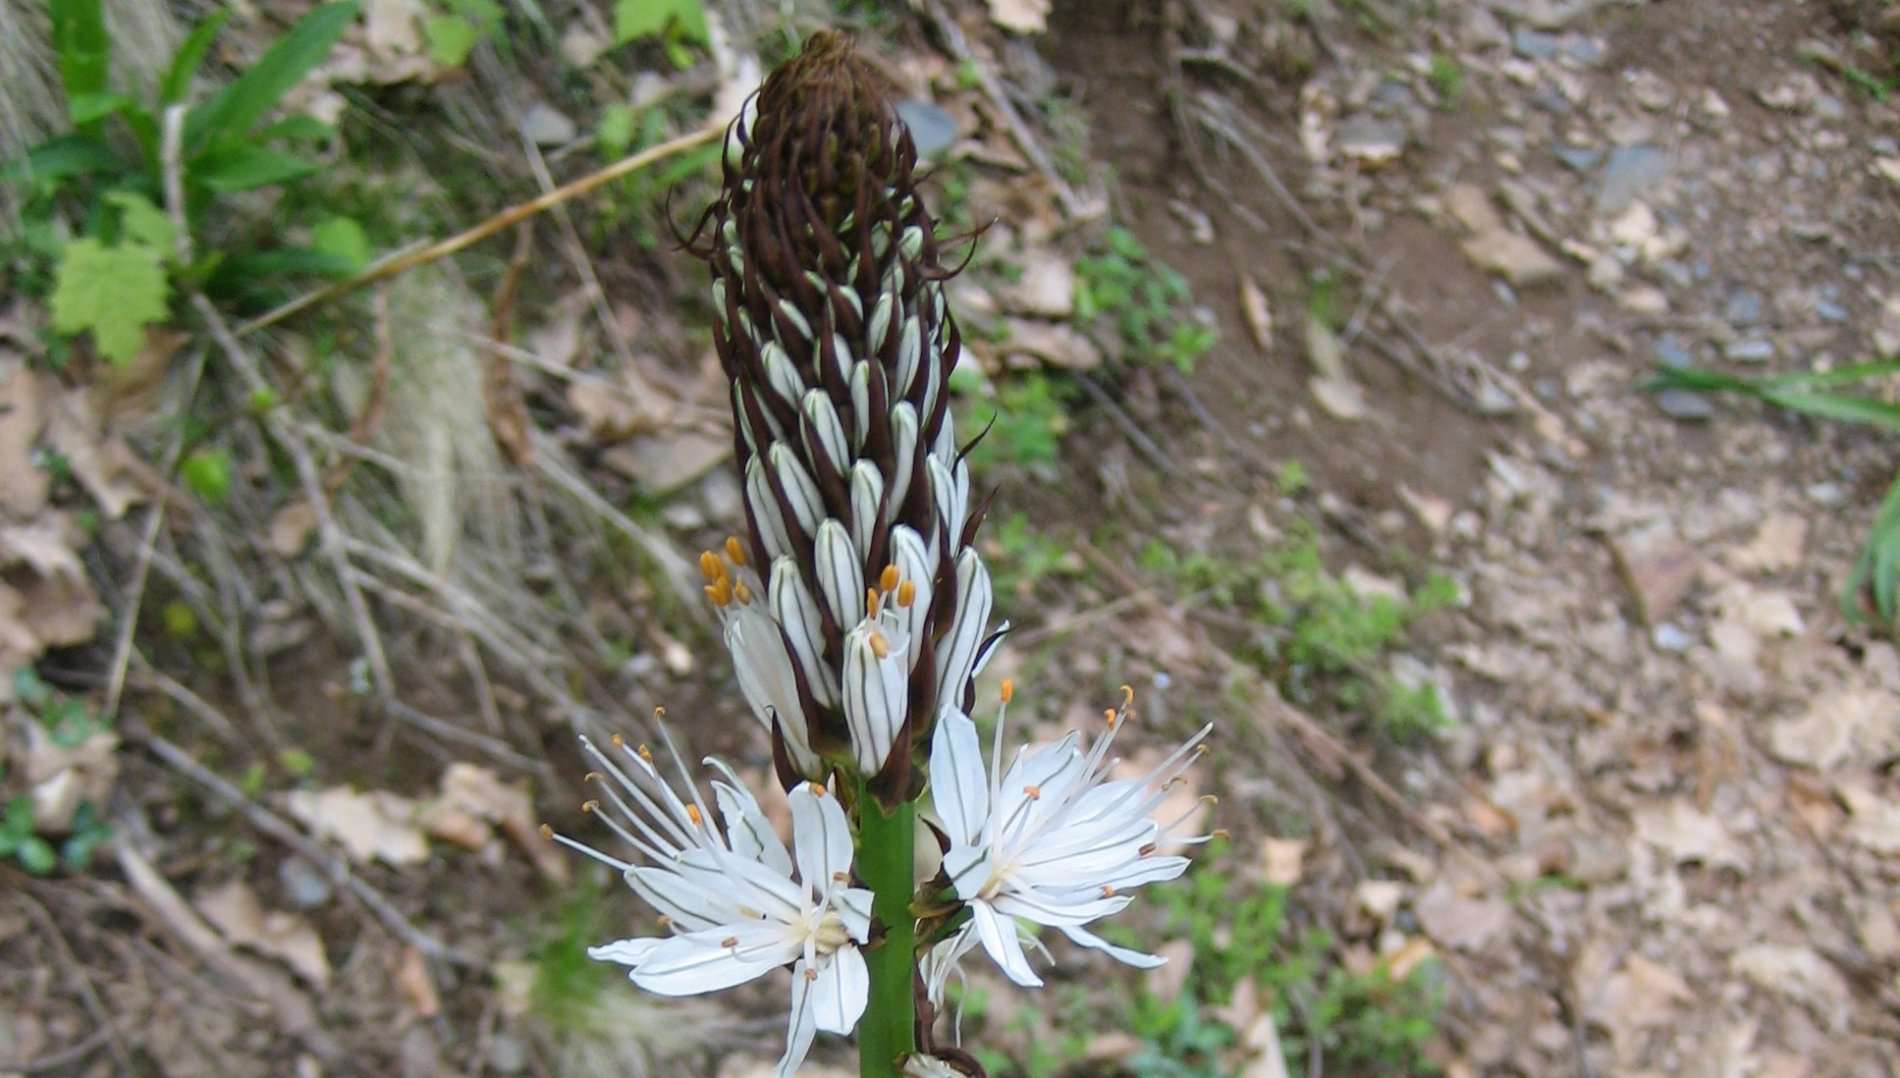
{"points": [[1050, 839], [733, 900]]}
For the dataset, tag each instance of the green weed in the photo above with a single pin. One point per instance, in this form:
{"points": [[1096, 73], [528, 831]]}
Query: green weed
{"points": [[1447, 79], [1148, 302], [1026, 421], [1023, 557]]}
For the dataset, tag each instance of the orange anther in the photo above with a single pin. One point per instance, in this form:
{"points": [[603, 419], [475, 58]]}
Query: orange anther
{"points": [[593, 776], [659, 712], [1146, 849], [1111, 717], [617, 741], [1220, 833], [711, 567], [646, 754], [880, 647], [735, 550], [1009, 689], [906, 593], [887, 579], [729, 941], [590, 806], [720, 592], [1108, 890], [692, 813], [1033, 792], [741, 594], [547, 832], [817, 788], [811, 974], [870, 602]]}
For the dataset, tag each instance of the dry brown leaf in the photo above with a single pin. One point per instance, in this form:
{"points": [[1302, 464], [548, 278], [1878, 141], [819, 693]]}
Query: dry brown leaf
{"points": [[479, 792], [1459, 922], [23, 484], [1341, 399], [1283, 859], [101, 464], [1046, 288], [371, 826], [1687, 834], [291, 528], [1056, 343], [59, 778], [1408, 957], [608, 411], [1875, 821], [415, 984], [1021, 16], [1259, 316], [1168, 979], [1841, 723], [234, 910], [1801, 975], [1776, 547], [663, 463]]}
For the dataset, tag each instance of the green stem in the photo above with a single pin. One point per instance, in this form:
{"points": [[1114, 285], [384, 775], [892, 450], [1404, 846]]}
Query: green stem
{"points": [[885, 860]]}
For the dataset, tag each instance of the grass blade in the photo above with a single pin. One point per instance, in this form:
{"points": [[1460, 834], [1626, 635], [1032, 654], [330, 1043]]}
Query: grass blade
{"points": [[82, 45], [237, 108], [189, 57]]}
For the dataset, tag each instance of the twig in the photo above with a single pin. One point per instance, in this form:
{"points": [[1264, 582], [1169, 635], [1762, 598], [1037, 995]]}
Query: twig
{"points": [[276, 827], [169, 687], [61, 1059], [171, 161], [408, 259], [673, 566], [1132, 430], [329, 534], [87, 992], [1019, 131]]}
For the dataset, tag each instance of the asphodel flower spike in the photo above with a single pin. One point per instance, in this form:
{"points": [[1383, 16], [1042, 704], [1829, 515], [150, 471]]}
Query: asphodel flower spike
{"points": [[829, 319]]}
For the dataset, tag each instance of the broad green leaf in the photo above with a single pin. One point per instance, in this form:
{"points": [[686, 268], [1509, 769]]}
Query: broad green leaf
{"points": [[451, 39], [143, 223], [83, 46], [1839, 406], [255, 266], [243, 166], [296, 129], [189, 57], [86, 108], [238, 107], [614, 132], [115, 292], [207, 473], [343, 238], [36, 855], [62, 157], [635, 19]]}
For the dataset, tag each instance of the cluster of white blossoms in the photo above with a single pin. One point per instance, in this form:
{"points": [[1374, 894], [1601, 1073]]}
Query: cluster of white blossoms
{"points": [[856, 609]]}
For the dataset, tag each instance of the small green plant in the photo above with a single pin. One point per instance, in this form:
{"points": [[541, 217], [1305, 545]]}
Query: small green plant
{"points": [[1824, 395], [1447, 79], [457, 26], [68, 721], [566, 981], [1148, 302], [1026, 422], [675, 24], [115, 280], [1025, 557]]}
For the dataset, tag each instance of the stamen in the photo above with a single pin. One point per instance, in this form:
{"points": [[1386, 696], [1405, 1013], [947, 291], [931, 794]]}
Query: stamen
{"points": [[1033, 792], [887, 580], [593, 776], [1128, 697], [741, 594], [841, 876], [1108, 890], [1009, 689], [811, 974], [880, 647], [547, 832], [729, 942], [906, 594], [735, 550], [617, 741], [665, 921], [645, 754], [711, 567], [1147, 849], [1220, 833], [1111, 717], [692, 813], [590, 806], [870, 602], [817, 788], [720, 592]]}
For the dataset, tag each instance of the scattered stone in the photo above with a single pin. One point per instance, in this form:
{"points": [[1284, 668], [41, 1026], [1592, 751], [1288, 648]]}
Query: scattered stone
{"points": [[1370, 141], [1518, 259], [506, 1053], [1684, 404], [1340, 398], [1743, 307], [1643, 299], [1658, 567], [1057, 344], [1577, 158], [546, 125], [1669, 637], [304, 887], [1829, 311], [1749, 350], [1887, 168], [1534, 44], [1794, 93], [1711, 108], [1670, 352], [1630, 173], [1651, 91], [1045, 289], [1776, 547], [931, 128]]}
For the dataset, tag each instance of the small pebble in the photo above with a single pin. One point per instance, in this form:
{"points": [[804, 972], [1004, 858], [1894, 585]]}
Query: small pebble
{"points": [[304, 887], [1750, 350], [507, 1054], [1669, 637], [1670, 351], [1685, 405]]}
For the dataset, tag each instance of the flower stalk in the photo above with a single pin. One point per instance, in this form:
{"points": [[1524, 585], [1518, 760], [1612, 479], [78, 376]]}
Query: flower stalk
{"points": [[886, 856]]}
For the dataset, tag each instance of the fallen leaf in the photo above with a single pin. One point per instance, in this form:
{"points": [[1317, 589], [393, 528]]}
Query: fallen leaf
{"points": [[1168, 979], [1259, 316], [60, 778], [234, 910], [416, 985], [1341, 399], [1325, 351], [1057, 344], [1379, 898], [1410, 955], [663, 463], [371, 826], [1841, 723], [1021, 16], [1045, 289], [1686, 834], [1801, 975], [291, 528], [100, 463], [1776, 547], [1282, 858], [1460, 922], [23, 484], [608, 411], [1875, 821], [479, 792]]}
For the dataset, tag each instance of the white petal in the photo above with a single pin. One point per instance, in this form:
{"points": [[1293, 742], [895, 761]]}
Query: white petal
{"points": [[822, 837], [627, 952], [797, 613], [874, 690], [690, 905], [911, 555], [747, 829], [1138, 959], [911, 243], [759, 498], [904, 454], [840, 576], [910, 347], [967, 628], [801, 491], [765, 676], [705, 961], [797, 319], [782, 374], [943, 490], [825, 429], [968, 868], [867, 493], [800, 1026], [958, 787], [880, 324], [860, 404], [841, 992], [999, 939], [1045, 909], [853, 905]]}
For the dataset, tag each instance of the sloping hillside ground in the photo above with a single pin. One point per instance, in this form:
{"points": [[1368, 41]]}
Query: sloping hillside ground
{"points": [[1316, 337]]}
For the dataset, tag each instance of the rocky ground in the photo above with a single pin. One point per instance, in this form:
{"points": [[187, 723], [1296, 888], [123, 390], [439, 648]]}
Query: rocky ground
{"points": [[1663, 835]]}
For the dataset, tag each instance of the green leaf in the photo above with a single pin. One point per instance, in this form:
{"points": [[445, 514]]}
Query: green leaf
{"points": [[451, 39], [115, 292], [1839, 406], [62, 157], [238, 107], [144, 224], [255, 266], [635, 19], [87, 108], [36, 855], [83, 46], [614, 132], [207, 473], [296, 129], [189, 57], [242, 166], [343, 238]]}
